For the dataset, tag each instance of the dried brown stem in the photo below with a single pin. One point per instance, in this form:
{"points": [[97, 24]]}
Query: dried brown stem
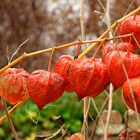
{"points": [[10, 121], [58, 119], [109, 112], [97, 119], [86, 99], [4, 117], [111, 86]]}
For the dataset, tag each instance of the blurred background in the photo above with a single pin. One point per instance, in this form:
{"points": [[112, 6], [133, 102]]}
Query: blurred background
{"points": [[48, 23]]}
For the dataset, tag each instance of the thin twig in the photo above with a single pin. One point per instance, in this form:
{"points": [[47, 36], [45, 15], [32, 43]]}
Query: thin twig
{"points": [[111, 86], [7, 53], [102, 6], [98, 49], [130, 5], [58, 119], [86, 115], [109, 112], [18, 49], [86, 99], [82, 20], [27, 55], [37, 122], [96, 109], [126, 124], [93, 102], [10, 121], [4, 117], [55, 134], [97, 118], [136, 41]]}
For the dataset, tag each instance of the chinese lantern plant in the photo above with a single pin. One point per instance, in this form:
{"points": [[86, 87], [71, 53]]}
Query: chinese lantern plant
{"points": [[127, 95], [13, 85], [88, 76], [45, 87], [61, 67], [122, 46], [130, 25], [116, 72]]}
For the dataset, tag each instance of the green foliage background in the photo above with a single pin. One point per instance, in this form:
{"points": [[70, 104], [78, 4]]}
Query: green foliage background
{"points": [[68, 107]]}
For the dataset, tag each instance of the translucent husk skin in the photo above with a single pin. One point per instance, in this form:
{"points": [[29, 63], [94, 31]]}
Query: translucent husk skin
{"points": [[122, 46], [13, 85], [130, 25], [88, 77], [115, 69], [45, 87], [135, 83], [62, 67]]}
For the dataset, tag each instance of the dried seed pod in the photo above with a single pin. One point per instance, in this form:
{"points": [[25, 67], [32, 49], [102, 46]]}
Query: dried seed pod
{"points": [[115, 70], [135, 84], [130, 25], [61, 67], [13, 85], [123, 46], [88, 77], [45, 87]]}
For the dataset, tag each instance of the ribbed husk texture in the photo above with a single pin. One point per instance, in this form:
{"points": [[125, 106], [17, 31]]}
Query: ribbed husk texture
{"points": [[62, 67], [45, 87], [135, 84], [13, 85]]}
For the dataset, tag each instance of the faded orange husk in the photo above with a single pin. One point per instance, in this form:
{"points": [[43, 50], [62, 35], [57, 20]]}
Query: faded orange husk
{"points": [[13, 85]]}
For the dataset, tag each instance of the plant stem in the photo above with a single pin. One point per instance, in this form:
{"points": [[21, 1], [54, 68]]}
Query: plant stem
{"points": [[98, 49], [111, 86], [50, 61], [27, 55], [97, 118], [86, 99], [58, 119], [4, 117], [109, 112], [136, 41], [10, 121]]}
